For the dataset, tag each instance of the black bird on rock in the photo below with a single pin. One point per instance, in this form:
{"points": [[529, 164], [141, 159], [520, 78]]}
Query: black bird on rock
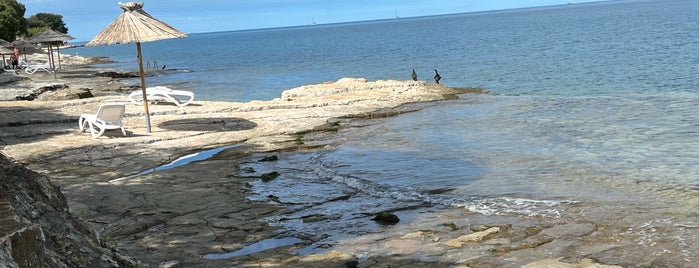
{"points": [[414, 75], [437, 77]]}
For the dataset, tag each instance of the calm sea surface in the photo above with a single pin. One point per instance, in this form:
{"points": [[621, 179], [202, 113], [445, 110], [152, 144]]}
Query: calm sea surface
{"points": [[590, 105]]}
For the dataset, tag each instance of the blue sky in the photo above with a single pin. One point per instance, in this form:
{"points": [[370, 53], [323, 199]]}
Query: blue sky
{"points": [[86, 18]]}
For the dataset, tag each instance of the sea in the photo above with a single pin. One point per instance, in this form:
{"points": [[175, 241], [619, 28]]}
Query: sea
{"points": [[591, 114]]}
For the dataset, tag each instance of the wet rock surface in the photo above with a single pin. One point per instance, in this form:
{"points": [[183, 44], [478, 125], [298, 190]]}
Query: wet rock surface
{"points": [[174, 217], [116, 74], [55, 92]]}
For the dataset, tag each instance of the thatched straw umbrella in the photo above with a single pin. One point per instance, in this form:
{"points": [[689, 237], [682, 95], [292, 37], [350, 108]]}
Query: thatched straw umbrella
{"points": [[21, 43], [4, 50], [50, 37], [135, 26], [4, 43]]}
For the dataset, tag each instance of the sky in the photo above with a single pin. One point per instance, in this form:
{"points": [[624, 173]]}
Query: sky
{"points": [[86, 18]]}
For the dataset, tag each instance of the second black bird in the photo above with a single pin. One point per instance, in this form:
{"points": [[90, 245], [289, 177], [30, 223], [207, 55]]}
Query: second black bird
{"points": [[437, 77]]}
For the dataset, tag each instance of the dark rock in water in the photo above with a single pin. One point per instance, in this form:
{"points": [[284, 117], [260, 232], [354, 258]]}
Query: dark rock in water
{"points": [[269, 176], [451, 225], [274, 198], [314, 218], [269, 158], [37, 229], [441, 190], [247, 170], [114, 74], [99, 59], [386, 218]]}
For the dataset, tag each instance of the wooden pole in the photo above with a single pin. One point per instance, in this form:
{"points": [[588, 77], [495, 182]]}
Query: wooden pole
{"points": [[52, 64], [58, 50], [143, 86]]}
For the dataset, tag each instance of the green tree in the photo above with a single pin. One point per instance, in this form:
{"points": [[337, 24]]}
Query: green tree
{"points": [[12, 21], [47, 20]]}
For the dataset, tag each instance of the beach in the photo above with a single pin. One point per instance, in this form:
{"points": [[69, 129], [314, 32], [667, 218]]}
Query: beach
{"points": [[198, 214], [578, 149]]}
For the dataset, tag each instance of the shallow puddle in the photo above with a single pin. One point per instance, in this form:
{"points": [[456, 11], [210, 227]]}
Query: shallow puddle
{"points": [[181, 161], [256, 247]]}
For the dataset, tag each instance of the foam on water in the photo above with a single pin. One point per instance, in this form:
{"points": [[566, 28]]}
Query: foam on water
{"points": [[308, 185]]}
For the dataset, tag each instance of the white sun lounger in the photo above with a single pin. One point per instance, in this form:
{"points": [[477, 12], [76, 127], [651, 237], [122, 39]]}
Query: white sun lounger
{"points": [[108, 116], [154, 94], [30, 69]]}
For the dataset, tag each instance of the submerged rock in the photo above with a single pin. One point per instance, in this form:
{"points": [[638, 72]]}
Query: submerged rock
{"points": [[269, 176], [386, 218], [98, 59], [269, 158], [113, 74]]}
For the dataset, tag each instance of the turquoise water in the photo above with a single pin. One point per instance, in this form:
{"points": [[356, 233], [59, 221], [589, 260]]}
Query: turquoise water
{"points": [[626, 47], [590, 105]]}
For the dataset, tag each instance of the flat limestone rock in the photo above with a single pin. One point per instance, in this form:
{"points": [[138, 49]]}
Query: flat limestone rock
{"points": [[93, 174], [473, 237], [553, 263]]}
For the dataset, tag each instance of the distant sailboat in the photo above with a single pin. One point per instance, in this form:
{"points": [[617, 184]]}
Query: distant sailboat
{"points": [[396, 11], [313, 22]]}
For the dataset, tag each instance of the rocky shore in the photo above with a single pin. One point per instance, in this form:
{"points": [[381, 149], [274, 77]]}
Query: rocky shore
{"points": [[175, 217]]}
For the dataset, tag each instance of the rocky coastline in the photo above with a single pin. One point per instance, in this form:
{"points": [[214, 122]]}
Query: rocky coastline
{"points": [[72, 201]]}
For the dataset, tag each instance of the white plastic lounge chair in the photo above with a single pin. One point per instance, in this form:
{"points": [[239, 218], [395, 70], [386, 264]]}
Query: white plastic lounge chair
{"points": [[178, 97], [30, 69], [108, 116]]}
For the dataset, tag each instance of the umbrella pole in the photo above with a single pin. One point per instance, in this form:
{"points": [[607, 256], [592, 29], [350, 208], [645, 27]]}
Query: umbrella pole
{"points": [[53, 62], [49, 56], [143, 86], [58, 50], [53, 67]]}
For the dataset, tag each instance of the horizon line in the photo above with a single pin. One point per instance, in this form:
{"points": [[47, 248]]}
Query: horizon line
{"points": [[314, 23]]}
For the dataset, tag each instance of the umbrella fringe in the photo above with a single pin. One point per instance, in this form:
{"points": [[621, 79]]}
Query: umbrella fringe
{"points": [[135, 25]]}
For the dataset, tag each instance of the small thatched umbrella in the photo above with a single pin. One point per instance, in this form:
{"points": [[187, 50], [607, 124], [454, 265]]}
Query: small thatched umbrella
{"points": [[4, 43], [21, 43], [50, 37], [135, 26], [4, 50]]}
